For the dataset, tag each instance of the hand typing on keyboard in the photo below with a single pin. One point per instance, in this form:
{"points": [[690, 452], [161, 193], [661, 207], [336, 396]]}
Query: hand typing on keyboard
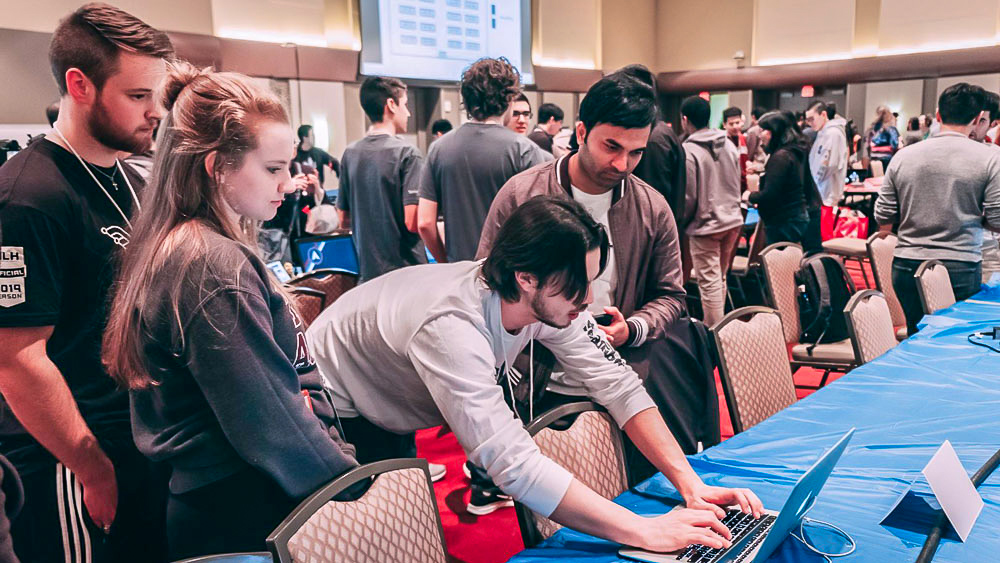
{"points": [[680, 528]]}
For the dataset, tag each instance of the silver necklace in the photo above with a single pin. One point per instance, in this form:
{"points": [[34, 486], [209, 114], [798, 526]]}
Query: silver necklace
{"points": [[99, 184], [110, 177]]}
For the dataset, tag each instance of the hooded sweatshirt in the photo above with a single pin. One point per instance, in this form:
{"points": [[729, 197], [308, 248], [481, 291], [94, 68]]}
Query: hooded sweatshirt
{"points": [[712, 201], [828, 161]]}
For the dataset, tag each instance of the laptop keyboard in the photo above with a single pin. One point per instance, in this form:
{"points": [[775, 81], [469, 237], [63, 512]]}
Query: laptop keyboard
{"points": [[740, 526]]}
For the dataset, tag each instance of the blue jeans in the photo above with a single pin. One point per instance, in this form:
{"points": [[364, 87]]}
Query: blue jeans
{"points": [[966, 279]]}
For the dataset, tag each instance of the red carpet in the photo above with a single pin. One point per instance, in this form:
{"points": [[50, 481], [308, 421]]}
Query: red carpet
{"points": [[495, 538]]}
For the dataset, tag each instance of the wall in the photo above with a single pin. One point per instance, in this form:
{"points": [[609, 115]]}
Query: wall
{"points": [[563, 29], [628, 33], [192, 16], [801, 30], [903, 96], [703, 34]]}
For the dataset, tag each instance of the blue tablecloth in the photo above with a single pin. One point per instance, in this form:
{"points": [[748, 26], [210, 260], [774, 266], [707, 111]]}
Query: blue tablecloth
{"points": [[933, 387]]}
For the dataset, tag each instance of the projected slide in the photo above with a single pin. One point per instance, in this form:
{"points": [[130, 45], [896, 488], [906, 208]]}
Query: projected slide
{"points": [[437, 39]]}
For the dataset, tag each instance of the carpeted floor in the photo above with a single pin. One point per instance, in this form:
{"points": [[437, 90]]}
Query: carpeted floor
{"points": [[495, 537]]}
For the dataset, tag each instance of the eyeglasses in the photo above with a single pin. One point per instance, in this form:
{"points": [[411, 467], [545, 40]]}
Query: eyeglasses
{"points": [[516, 114]]}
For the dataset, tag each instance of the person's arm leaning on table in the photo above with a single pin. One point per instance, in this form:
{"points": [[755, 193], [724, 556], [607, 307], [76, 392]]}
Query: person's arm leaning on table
{"points": [[593, 365]]}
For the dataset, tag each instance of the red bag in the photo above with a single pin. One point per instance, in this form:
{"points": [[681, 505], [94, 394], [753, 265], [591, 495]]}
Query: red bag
{"points": [[852, 224]]}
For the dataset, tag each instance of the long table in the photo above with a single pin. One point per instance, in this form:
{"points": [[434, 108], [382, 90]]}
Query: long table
{"points": [[936, 386]]}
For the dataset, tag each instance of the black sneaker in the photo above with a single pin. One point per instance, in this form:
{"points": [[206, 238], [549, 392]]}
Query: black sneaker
{"points": [[486, 501]]}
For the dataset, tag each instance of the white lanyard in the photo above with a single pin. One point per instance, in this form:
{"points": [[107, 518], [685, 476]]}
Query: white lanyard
{"points": [[99, 184]]}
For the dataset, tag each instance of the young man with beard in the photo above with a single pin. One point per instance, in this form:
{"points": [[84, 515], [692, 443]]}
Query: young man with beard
{"points": [[640, 292], [65, 207], [433, 344]]}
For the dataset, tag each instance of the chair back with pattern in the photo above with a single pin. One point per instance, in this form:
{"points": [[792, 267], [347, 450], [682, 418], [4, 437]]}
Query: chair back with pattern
{"points": [[878, 169], [934, 287], [591, 449], [781, 261], [248, 557], [870, 325], [309, 302], [395, 521], [880, 249], [753, 365], [333, 283]]}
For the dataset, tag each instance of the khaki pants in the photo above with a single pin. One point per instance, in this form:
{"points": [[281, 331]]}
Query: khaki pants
{"points": [[710, 259]]}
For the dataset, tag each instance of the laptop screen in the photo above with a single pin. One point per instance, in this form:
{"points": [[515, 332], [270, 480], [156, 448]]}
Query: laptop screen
{"points": [[334, 251]]}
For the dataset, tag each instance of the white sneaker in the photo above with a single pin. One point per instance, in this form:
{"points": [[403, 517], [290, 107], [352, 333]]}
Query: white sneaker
{"points": [[465, 470], [438, 471]]}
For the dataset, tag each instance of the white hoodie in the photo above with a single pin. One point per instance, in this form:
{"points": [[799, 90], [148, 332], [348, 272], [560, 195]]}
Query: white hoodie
{"points": [[828, 161], [421, 346]]}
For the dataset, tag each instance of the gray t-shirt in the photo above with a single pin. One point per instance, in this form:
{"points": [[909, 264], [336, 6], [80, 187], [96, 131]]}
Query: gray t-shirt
{"points": [[465, 170], [379, 174], [939, 191]]}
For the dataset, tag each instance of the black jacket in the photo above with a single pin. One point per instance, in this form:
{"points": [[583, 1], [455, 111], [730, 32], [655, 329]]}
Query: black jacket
{"points": [[787, 187], [662, 167]]}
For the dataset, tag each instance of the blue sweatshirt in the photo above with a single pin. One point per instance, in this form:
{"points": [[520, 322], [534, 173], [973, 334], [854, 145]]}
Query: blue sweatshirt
{"points": [[230, 366]]}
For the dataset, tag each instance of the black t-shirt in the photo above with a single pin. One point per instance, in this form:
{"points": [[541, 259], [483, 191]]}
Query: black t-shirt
{"points": [[290, 217], [60, 236]]}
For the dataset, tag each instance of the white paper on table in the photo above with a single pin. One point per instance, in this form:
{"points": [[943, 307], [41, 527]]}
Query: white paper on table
{"points": [[953, 489]]}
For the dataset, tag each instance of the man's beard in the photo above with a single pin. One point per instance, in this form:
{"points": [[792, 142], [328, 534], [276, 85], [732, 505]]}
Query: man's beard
{"points": [[543, 315], [101, 128]]}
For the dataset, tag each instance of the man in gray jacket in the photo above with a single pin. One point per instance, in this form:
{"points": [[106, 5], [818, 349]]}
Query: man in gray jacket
{"points": [[828, 156], [712, 216]]}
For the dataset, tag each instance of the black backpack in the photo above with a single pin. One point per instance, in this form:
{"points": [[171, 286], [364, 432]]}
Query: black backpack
{"points": [[824, 288]]}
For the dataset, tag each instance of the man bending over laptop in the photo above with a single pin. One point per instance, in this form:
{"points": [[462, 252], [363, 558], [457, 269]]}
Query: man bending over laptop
{"points": [[427, 345]]}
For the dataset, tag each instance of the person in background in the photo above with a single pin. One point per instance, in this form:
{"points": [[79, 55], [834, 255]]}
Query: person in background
{"points": [[439, 128], [52, 113], [945, 223], [379, 184], [881, 141], [65, 214], [732, 123], [755, 149], [466, 168], [712, 214], [550, 122], [223, 388], [914, 131], [662, 165], [828, 155], [781, 199], [520, 115], [987, 119], [432, 345], [310, 157]]}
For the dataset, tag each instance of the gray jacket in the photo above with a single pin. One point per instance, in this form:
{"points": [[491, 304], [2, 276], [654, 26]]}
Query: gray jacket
{"points": [[712, 199], [828, 161]]}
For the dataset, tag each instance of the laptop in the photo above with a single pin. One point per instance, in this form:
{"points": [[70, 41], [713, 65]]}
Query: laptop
{"points": [[755, 540], [329, 251]]}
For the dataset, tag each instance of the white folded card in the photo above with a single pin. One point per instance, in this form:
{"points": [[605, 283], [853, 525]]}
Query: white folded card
{"points": [[953, 489]]}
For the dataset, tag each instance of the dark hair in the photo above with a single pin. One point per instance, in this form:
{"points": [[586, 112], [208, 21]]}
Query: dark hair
{"points": [[991, 103], [549, 111], [620, 100], [91, 38], [549, 238], [303, 131], [783, 130], [758, 112], [52, 113], [730, 112], [640, 73], [818, 107], [488, 86], [376, 91], [697, 110], [441, 126], [521, 98], [831, 110], [960, 103], [913, 124]]}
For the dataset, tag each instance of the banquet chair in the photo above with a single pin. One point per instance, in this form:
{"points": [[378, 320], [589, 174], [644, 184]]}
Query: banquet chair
{"points": [[878, 169], [249, 557], [880, 249], [333, 283], [309, 302], [780, 262], [934, 287], [395, 521], [591, 449], [870, 325], [753, 365]]}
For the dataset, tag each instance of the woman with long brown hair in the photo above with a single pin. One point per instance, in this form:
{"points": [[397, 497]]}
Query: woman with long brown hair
{"points": [[222, 386]]}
